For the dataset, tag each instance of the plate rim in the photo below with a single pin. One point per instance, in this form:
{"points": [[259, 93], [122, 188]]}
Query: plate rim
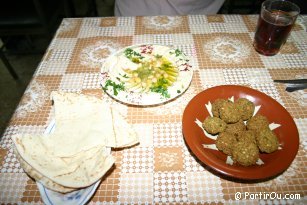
{"points": [[230, 170], [48, 200], [142, 103]]}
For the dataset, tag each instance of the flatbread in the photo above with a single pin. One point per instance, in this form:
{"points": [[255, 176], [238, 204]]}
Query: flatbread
{"points": [[81, 170], [82, 122], [124, 134], [41, 178], [75, 155]]}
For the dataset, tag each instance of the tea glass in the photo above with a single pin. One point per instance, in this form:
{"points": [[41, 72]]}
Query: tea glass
{"points": [[275, 23]]}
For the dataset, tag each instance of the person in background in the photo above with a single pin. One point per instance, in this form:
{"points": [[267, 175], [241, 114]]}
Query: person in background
{"points": [[166, 7]]}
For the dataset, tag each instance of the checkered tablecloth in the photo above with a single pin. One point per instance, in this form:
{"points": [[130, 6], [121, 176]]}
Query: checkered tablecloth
{"points": [[161, 169]]}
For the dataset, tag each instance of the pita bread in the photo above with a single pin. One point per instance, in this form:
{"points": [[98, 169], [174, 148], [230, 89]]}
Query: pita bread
{"points": [[39, 177], [75, 155], [82, 122], [124, 134], [81, 170]]}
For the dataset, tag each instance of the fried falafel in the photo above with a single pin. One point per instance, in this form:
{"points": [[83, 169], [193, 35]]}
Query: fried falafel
{"points": [[247, 136], [257, 123], [267, 141], [214, 125], [225, 142], [245, 107], [229, 112], [216, 105], [245, 153], [236, 128]]}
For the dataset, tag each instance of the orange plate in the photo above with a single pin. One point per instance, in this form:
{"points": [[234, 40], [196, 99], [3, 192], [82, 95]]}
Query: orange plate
{"points": [[274, 163]]}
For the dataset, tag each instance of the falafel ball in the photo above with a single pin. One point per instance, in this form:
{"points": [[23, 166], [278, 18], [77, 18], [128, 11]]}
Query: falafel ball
{"points": [[216, 105], [247, 136], [236, 128], [267, 141], [225, 142], [257, 123], [245, 153], [214, 125], [245, 107], [229, 112]]}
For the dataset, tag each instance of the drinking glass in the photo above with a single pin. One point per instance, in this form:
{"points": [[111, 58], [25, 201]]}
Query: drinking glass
{"points": [[275, 22]]}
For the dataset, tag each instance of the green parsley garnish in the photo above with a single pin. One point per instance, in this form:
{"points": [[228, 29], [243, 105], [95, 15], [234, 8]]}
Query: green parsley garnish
{"points": [[133, 55], [177, 52], [116, 87], [158, 56], [161, 88], [124, 76]]}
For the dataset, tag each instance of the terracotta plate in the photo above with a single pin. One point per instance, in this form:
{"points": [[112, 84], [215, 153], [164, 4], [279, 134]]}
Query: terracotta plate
{"points": [[274, 163]]}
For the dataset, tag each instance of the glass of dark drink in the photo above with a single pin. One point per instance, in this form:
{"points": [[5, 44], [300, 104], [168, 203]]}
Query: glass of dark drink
{"points": [[275, 22]]}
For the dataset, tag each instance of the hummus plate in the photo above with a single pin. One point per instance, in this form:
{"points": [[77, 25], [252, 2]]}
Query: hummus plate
{"points": [[146, 74]]}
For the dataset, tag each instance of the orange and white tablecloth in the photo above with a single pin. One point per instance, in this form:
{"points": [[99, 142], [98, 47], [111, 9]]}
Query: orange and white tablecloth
{"points": [[161, 169]]}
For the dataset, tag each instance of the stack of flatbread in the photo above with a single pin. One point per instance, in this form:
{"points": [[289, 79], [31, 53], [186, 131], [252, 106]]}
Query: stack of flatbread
{"points": [[77, 154]]}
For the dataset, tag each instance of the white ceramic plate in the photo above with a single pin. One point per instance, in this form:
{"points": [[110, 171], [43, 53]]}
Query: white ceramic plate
{"points": [[119, 69], [78, 197]]}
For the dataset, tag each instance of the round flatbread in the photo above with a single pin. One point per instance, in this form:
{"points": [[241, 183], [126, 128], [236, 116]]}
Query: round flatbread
{"points": [[76, 154], [39, 177]]}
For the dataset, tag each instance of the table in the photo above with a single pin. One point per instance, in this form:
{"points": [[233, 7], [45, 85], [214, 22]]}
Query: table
{"points": [[220, 47]]}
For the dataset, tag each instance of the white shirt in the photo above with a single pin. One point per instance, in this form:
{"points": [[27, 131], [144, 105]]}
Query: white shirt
{"points": [[166, 7]]}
